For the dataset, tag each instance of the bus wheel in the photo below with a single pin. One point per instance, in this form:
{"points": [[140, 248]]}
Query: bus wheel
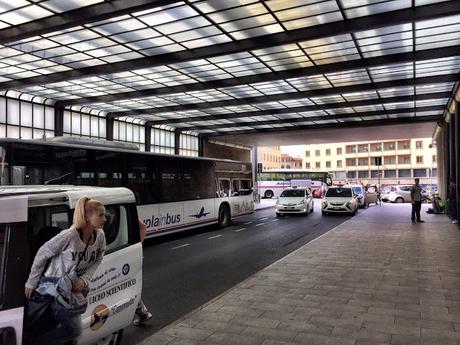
{"points": [[268, 194], [112, 339], [224, 216]]}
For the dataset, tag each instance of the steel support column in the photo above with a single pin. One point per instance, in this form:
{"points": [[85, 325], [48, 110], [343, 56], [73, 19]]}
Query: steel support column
{"points": [[109, 128], [456, 141], [200, 145], [452, 157], [148, 137], [58, 121], [176, 142]]}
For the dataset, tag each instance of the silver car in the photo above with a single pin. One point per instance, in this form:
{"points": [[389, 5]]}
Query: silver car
{"points": [[360, 194], [399, 193]]}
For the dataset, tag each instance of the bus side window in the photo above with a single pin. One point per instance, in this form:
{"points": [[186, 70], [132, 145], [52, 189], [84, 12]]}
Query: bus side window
{"points": [[235, 187], [116, 227], [224, 187]]}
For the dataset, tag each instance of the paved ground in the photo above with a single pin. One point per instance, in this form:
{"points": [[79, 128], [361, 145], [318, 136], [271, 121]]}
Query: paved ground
{"points": [[374, 279], [183, 271]]}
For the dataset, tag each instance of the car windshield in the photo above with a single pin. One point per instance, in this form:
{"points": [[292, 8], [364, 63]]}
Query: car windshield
{"points": [[293, 193], [339, 192]]}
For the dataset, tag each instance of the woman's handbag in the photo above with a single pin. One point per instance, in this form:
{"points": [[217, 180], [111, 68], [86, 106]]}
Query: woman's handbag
{"points": [[40, 316]]}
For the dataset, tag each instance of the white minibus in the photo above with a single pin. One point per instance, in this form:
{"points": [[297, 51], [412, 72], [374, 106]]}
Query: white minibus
{"points": [[31, 215]]}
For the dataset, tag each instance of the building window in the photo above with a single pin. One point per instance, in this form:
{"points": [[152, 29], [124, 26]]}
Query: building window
{"points": [[390, 160], [363, 148], [404, 145], [419, 159], [404, 173], [328, 152], [339, 150], [350, 149], [419, 144], [434, 172], [404, 159], [351, 162], [339, 164], [376, 147], [390, 173], [391, 146], [307, 165], [351, 174], [363, 174], [317, 165], [307, 153], [328, 164], [419, 172], [363, 161], [434, 158], [317, 153], [375, 174]]}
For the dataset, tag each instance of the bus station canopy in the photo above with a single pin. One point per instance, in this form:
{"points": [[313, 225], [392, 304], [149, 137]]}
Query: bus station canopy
{"points": [[239, 67]]}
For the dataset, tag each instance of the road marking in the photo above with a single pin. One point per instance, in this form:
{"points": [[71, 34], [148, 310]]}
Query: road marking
{"points": [[263, 218], [247, 223], [275, 220], [212, 237], [240, 229], [260, 224], [181, 246]]}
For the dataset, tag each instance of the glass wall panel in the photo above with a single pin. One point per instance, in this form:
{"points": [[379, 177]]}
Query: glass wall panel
{"points": [[26, 115], [12, 109], [49, 118], [23, 119], [39, 115]]}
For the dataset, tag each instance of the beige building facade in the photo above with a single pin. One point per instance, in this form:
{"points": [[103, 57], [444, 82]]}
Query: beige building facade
{"points": [[269, 156], [401, 161]]}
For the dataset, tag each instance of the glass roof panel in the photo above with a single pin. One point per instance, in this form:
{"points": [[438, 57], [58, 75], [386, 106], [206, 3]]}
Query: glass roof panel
{"points": [[361, 8]]}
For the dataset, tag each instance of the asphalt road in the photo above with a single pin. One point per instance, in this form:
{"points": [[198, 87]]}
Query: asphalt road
{"points": [[183, 271]]}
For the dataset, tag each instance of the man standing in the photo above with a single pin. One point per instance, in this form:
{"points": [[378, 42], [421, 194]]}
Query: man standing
{"points": [[416, 199]]}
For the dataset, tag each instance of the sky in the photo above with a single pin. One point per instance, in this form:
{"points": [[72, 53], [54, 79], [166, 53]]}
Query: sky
{"points": [[293, 150]]}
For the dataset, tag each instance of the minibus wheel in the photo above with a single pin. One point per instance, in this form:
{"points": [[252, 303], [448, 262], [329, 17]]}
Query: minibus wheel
{"points": [[111, 339], [224, 216]]}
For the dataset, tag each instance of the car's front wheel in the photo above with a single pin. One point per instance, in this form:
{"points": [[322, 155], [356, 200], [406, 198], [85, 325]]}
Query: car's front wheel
{"points": [[399, 200]]}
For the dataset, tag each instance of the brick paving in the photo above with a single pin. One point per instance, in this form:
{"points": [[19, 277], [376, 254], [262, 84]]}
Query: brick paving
{"points": [[376, 279]]}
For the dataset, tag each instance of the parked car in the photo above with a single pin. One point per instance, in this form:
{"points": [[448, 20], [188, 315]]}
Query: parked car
{"points": [[360, 194], [294, 200], [339, 200], [399, 193]]}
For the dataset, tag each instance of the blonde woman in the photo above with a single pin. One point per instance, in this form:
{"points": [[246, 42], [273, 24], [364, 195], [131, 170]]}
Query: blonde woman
{"points": [[81, 247]]}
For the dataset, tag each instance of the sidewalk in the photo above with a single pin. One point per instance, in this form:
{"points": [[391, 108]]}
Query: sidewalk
{"points": [[375, 279], [265, 203]]}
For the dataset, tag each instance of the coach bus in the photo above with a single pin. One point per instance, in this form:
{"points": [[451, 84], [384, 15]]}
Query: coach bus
{"points": [[173, 193], [271, 183]]}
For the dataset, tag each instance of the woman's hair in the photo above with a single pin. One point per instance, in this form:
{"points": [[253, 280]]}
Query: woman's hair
{"points": [[84, 206]]}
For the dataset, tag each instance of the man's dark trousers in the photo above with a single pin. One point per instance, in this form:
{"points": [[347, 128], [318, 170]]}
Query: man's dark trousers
{"points": [[416, 207]]}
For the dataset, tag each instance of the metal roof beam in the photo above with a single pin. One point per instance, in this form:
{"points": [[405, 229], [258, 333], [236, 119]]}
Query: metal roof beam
{"points": [[420, 55], [76, 17], [367, 102], [425, 12], [447, 78], [361, 124], [319, 118]]}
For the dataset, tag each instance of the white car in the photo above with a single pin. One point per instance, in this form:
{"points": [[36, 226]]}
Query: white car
{"points": [[294, 200], [360, 194], [339, 200]]}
